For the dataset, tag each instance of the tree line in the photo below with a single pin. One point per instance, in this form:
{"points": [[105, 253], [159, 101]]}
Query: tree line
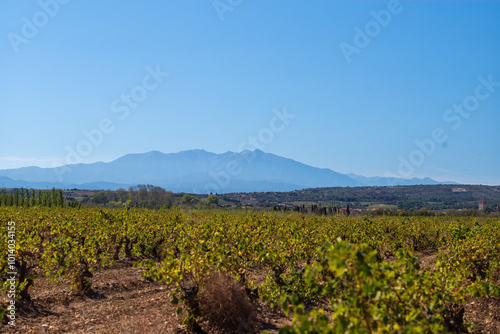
{"points": [[27, 198], [141, 196], [314, 208]]}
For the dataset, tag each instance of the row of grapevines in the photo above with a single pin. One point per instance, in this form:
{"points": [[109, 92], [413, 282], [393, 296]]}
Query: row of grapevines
{"points": [[181, 248]]}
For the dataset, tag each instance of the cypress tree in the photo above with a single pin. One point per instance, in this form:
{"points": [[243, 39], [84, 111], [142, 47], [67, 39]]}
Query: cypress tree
{"points": [[39, 198], [16, 198], [33, 198], [59, 198]]}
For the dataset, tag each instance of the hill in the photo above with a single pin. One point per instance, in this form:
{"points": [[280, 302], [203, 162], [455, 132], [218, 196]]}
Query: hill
{"points": [[433, 197]]}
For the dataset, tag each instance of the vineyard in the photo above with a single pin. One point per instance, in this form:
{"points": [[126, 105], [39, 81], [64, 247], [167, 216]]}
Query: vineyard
{"points": [[232, 271]]}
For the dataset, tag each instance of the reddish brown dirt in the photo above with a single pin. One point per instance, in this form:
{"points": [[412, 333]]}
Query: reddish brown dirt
{"points": [[122, 302], [427, 258], [484, 312]]}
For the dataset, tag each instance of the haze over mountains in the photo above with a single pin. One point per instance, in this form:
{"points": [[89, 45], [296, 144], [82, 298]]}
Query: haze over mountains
{"points": [[195, 171]]}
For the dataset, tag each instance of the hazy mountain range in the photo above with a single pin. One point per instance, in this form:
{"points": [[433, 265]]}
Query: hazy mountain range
{"points": [[195, 171]]}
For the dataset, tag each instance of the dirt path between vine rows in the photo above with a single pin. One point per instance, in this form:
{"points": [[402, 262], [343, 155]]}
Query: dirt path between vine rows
{"points": [[123, 302]]}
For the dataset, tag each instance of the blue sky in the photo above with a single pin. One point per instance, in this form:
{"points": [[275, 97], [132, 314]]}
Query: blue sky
{"points": [[362, 82]]}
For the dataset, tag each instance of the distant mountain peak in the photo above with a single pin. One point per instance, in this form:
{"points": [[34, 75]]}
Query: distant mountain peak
{"points": [[155, 152], [201, 171]]}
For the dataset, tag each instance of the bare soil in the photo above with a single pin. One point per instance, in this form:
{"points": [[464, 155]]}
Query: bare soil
{"points": [[121, 302], [483, 313]]}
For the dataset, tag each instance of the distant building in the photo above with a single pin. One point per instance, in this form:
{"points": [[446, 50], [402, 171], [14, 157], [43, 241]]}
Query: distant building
{"points": [[481, 205], [459, 190]]}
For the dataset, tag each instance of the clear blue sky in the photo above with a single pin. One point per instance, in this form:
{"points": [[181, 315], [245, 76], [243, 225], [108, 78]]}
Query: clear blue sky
{"points": [[64, 69]]}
